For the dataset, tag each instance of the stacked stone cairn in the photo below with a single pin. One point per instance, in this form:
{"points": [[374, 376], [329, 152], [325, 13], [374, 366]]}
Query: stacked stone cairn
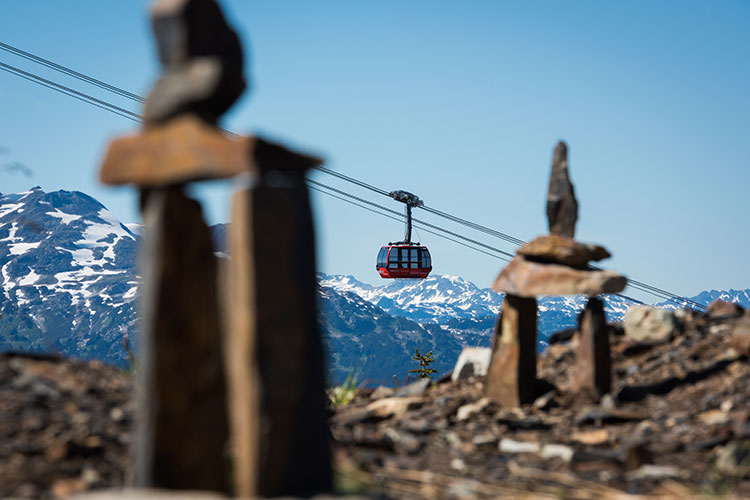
{"points": [[231, 373], [553, 264]]}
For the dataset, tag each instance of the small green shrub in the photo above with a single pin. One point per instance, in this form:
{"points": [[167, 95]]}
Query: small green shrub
{"points": [[424, 361]]}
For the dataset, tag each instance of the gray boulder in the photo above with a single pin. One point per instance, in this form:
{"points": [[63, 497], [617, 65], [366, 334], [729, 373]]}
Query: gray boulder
{"points": [[650, 324], [472, 362]]}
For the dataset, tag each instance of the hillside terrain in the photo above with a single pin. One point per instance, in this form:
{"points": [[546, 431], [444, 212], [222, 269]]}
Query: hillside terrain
{"points": [[676, 426]]}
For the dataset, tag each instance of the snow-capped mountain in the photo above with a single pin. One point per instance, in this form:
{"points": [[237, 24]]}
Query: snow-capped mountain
{"points": [[434, 299], [459, 306], [741, 297], [68, 275], [69, 285]]}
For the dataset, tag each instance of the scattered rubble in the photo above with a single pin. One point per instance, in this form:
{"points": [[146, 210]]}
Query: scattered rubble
{"points": [[677, 420], [64, 426]]}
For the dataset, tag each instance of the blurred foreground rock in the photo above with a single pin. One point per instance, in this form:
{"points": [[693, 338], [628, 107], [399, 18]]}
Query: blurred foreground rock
{"points": [[65, 426], [184, 495]]}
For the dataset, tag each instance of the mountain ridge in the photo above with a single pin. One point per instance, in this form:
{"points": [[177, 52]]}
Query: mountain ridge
{"points": [[69, 284]]}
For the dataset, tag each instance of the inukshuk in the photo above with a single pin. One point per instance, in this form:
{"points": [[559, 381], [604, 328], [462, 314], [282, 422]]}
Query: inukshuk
{"points": [[553, 264], [271, 354]]}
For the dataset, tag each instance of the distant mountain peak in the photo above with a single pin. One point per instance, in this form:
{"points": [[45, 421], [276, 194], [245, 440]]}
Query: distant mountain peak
{"points": [[69, 283]]}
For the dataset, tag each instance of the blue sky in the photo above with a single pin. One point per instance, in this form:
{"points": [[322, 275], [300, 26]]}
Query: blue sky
{"points": [[458, 102]]}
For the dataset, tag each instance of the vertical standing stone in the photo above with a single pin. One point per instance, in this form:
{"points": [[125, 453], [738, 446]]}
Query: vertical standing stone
{"points": [[243, 378], [511, 379], [182, 429], [562, 206], [275, 351], [593, 371]]}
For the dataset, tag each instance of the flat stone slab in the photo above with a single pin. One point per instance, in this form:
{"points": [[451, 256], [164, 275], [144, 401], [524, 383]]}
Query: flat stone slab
{"points": [[183, 150], [553, 248], [150, 494], [524, 278]]}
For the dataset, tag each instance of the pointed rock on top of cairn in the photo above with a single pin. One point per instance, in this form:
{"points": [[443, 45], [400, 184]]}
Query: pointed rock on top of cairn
{"points": [[202, 58], [562, 206]]}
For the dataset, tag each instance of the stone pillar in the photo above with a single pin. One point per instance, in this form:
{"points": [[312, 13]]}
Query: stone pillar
{"points": [[274, 351], [182, 426], [593, 370], [511, 379]]}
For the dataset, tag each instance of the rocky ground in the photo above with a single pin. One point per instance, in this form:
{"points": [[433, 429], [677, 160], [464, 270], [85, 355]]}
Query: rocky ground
{"points": [[64, 426], [676, 425]]}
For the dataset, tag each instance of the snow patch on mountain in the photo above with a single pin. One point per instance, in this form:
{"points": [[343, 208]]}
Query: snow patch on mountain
{"points": [[64, 218]]}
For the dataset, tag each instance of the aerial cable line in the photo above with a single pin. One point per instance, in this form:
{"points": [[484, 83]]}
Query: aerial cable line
{"points": [[643, 287], [424, 224], [84, 78], [70, 72], [401, 220], [354, 181], [71, 92], [652, 290], [312, 185], [117, 90], [473, 225]]}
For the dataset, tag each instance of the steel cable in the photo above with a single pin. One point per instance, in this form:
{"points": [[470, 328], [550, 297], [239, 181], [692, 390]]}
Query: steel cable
{"points": [[638, 285]]}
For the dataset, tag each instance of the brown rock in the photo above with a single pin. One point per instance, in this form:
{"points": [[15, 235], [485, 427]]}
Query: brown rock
{"points": [[595, 437], [740, 340], [393, 407], [530, 279], [202, 58], [558, 249], [270, 156], [183, 424], [511, 378], [64, 488], [562, 206], [714, 417], [593, 370], [275, 352], [382, 392], [186, 149], [723, 309], [183, 150], [148, 494]]}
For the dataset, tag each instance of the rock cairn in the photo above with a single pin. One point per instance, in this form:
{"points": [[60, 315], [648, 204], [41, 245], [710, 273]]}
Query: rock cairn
{"points": [[553, 264], [228, 355]]}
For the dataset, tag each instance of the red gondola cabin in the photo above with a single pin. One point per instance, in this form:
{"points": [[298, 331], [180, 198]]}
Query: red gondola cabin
{"points": [[404, 261]]}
